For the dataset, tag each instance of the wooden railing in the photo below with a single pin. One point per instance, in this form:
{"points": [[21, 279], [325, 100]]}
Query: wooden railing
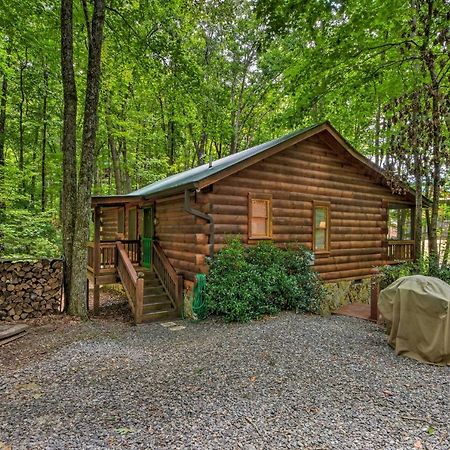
{"points": [[400, 250], [133, 248], [108, 254], [132, 282], [171, 281], [90, 248]]}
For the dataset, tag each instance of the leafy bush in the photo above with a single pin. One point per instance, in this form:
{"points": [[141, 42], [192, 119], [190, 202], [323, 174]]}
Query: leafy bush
{"points": [[393, 272], [245, 283]]}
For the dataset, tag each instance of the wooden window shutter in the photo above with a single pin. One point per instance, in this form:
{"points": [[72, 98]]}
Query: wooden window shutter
{"points": [[259, 216]]}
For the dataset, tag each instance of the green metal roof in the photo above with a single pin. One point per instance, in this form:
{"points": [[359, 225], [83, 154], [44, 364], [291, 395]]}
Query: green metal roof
{"points": [[190, 177]]}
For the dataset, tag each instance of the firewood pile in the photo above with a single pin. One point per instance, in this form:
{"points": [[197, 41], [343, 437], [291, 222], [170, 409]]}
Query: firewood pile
{"points": [[29, 289]]}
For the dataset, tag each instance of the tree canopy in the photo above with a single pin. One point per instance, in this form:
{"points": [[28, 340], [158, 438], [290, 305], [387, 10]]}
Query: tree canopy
{"points": [[185, 81]]}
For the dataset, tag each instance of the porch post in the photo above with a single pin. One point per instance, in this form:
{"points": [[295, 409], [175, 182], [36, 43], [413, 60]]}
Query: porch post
{"points": [[96, 258]]}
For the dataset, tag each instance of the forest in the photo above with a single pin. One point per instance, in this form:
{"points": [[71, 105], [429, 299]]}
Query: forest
{"points": [[181, 82]]}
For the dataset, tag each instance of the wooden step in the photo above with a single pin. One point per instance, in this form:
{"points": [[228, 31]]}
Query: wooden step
{"points": [[151, 282], [148, 275], [162, 306], [152, 298], [153, 290], [155, 316]]}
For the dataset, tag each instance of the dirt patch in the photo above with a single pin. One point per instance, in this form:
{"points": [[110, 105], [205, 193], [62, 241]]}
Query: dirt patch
{"points": [[50, 333]]}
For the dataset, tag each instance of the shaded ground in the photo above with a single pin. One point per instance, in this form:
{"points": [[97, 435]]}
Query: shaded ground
{"points": [[288, 382]]}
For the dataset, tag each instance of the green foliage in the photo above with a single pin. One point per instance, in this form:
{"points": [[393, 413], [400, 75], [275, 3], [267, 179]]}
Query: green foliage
{"points": [[27, 234], [246, 283], [425, 267]]}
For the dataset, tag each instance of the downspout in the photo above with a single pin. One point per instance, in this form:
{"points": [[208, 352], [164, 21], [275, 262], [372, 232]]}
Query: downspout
{"points": [[202, 215]]}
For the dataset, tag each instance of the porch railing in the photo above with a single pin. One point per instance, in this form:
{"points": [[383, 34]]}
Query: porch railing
{"points": [[90, 248], [108, 254], [172, 282], [132, 282], [400, 250], [133, 249]]}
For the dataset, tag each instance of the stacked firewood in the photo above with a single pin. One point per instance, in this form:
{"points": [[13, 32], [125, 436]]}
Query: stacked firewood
{"points": [[29, 289]]}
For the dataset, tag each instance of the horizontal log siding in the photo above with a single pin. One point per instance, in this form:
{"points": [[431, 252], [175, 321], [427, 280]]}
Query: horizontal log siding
{"points": [[183, 237], [108, 224], [296, 177]]}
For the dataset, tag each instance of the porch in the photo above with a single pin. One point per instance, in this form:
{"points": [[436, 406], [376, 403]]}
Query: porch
{"points": [[154, 291], [400, 243], [123, 250]]}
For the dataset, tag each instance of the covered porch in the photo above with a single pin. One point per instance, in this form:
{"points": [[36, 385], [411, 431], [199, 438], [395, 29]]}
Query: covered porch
{"points": [[400, 241], [123, 249]]}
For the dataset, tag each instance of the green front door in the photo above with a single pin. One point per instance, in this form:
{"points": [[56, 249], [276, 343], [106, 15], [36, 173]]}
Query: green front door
{"points": [[147, 238]]}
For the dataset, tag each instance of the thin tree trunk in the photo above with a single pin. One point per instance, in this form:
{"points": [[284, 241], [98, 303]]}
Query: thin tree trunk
{"points": [[33, 165], [44, 142], [113, 149], [3, 118], [4, 94], [377, 134], [436, 174], [126, 171], [447, 249], [418, 212], [23, 66], [418, 179], [171, 141]]}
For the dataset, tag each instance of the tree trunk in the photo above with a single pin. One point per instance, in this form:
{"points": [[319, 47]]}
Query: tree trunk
{"points": [[4, 94], [69, 143], [33, 165], [436, 174], [447, 249], [126, 171], [77, 300], [23, 66], [3, 119], [44, 142], [113, 149], [418, 211]]}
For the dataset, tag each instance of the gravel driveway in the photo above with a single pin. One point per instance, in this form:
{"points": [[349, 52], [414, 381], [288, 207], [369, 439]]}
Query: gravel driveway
{"points": [[288, 382]]}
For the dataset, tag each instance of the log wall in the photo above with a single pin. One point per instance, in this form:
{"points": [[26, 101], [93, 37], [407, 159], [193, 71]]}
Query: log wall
{"points": [[109, 224], [297, 176], [182, 236]]}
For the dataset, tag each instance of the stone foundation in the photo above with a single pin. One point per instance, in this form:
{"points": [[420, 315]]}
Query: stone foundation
{"points": [[343, 292], [29, 289]]}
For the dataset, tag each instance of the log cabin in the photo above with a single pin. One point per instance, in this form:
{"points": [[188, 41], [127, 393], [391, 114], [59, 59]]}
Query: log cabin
{"points": [[309, 187]]}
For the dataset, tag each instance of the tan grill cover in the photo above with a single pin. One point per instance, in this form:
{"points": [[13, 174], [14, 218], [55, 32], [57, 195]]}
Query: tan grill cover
{"points": [[418, 309]]}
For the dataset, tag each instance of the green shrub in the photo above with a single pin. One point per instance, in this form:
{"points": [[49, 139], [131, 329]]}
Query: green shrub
{"points": [[393, 272], [246, 283]]}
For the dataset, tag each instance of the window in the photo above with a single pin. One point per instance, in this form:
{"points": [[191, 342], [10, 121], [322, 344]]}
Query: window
{"points": [[321, 227], [259, 216]]}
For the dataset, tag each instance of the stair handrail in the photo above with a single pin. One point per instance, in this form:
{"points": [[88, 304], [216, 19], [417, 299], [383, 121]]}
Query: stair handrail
{"points": [[171, 280], [132, 281]]}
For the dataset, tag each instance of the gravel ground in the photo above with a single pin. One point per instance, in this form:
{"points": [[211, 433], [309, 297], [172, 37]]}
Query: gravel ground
{"points": [[287, 382]]}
